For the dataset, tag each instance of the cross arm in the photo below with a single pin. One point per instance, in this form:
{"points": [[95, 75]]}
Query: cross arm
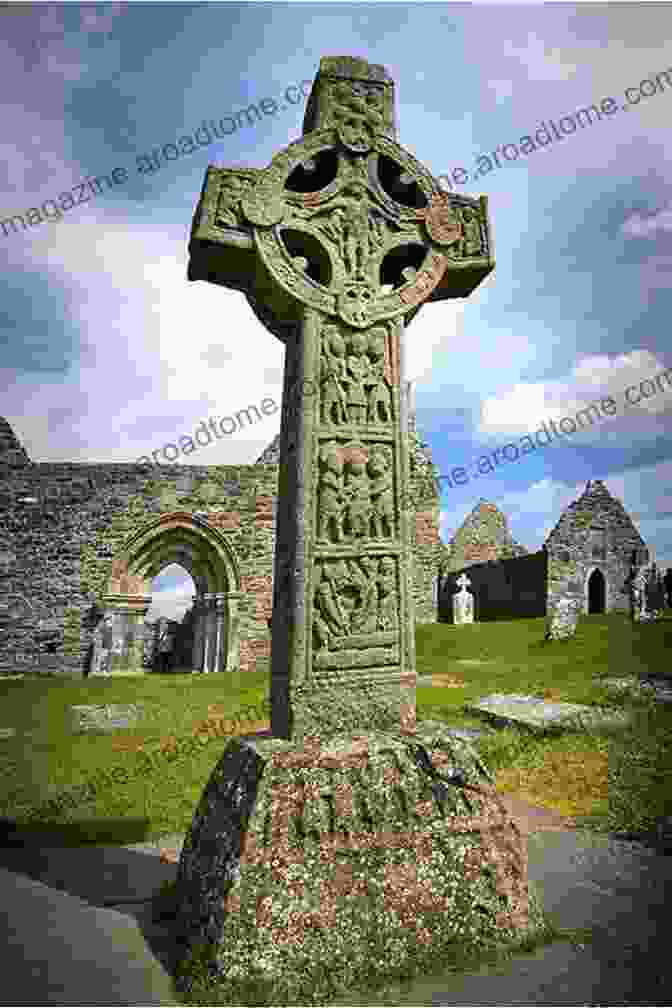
{"points": [[222, 248]]}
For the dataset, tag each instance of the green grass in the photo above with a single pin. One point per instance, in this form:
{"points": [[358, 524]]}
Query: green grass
{"points": [[618, 779], [627, 772], [44, 760]]}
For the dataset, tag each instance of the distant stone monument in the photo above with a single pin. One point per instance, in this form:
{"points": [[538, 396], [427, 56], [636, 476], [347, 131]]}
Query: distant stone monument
{"points": [[337, 245], [647, 595], [463, 602], [101, 662], [667, 582], [564, 618]]}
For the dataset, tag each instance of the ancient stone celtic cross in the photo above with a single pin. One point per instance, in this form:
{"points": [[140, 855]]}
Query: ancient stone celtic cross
{"points": [[336, 245]]}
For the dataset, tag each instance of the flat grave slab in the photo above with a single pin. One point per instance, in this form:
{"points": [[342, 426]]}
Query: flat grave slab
{"points": [[103, 719], [541, 716]]}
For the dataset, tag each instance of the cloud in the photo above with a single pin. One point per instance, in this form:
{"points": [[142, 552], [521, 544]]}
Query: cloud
{"points": [[37, 84], [639, 226], [431, 333], [523, 407], [533, 511], [153, 357], [656, 274]]}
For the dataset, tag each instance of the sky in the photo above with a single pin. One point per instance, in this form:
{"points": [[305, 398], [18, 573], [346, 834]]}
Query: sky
{"points": [[108, 352]]}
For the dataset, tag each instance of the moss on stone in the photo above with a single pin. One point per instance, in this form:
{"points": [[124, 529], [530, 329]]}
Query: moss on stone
{"points": [[305, 920], [72, 629]]}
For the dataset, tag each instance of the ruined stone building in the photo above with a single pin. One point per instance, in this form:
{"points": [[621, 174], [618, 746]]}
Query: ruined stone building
{"points": [[80, 544], [589, 556], [593, 551]]}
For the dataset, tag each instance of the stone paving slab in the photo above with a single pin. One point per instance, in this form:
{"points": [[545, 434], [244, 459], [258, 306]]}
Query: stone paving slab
{"points": [[474, 661], [539, 715], [101, 719]]}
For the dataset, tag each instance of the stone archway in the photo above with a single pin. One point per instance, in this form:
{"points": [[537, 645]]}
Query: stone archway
{"points": [[596, 592], [178, 538]]}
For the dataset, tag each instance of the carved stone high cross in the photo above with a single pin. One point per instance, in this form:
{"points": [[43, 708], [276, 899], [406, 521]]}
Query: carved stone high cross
{"points": [[336, 245]]}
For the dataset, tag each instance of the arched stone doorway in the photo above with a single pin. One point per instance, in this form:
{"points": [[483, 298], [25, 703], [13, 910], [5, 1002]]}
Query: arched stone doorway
{"points": [[190, 542], [596, 590], [170, 622]]}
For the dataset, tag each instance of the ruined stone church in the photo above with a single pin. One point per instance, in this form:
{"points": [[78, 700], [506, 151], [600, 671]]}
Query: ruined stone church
{"points": [[590, 557], [80, 544]]}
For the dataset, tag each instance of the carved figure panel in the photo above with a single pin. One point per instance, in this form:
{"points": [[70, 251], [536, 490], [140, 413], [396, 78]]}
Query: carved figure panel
{"points": [[471, 242], [356, 608], [355, 494], [357, 110], [355, 373], [380, 394], [443, 220], [233, 187]]}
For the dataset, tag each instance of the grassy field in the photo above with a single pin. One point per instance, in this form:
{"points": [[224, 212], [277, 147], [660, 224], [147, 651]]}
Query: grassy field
{"points": [[617, 780]]}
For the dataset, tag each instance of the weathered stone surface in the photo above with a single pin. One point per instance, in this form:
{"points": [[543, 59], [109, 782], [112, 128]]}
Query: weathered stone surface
{"points": [[12, 452], [337, 244], [63, 526], [483, 536], [563, 620], [504, 589], [594, 538], [538, 715], [293, 840], [590, 557], [647, 594], [103, 719], [353, 827], [463, 602]]}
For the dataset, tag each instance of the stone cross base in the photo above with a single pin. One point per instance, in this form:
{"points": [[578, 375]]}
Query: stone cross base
{"points": [[298, 845]]}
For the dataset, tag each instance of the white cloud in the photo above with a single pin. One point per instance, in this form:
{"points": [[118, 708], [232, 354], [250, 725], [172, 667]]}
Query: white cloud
{"points": [[167, 347], [638, 226], [522, 408], [431, 333]]}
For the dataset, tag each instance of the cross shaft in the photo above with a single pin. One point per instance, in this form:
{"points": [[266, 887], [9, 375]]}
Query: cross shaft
{"points": [[337, 244]]}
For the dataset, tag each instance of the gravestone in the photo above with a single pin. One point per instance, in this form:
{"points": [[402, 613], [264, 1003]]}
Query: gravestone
{"points": [[563, 620], [463, 602], [101, 661], [646, 601], [351, 815]]}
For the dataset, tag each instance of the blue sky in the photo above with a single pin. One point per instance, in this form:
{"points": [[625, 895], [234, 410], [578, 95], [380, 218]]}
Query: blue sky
{"points": [[107, 352]]}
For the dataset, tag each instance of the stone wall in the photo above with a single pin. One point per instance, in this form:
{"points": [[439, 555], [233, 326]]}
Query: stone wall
{"points": [[483, 537], [593, 533], [63, 527], [427, 545], [503, 589], [64, 524]]}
